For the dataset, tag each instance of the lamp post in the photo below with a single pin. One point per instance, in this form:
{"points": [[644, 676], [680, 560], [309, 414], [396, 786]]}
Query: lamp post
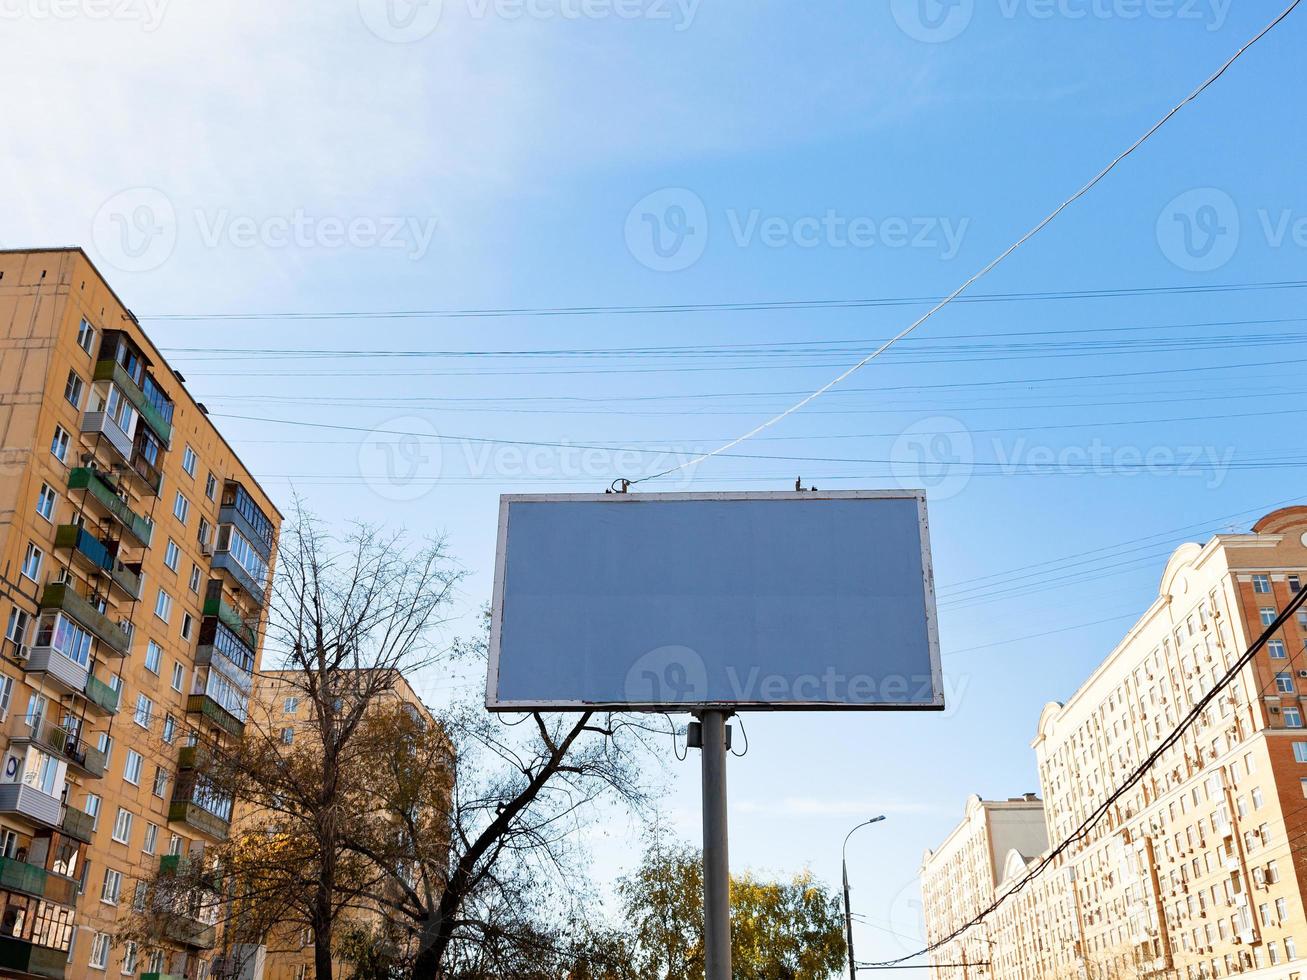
{"points": [[848, 914]]}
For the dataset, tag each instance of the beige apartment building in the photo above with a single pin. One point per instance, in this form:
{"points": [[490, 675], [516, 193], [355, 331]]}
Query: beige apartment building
{"points": [[281, 709], [1199, 871], [135, 550]]}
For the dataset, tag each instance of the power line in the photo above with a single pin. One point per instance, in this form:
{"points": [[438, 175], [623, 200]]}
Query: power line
{"points": [[748, 306], [1187, 722], [1098, 178]]}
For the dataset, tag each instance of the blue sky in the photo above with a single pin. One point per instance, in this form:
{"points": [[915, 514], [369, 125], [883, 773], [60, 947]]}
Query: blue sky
{"points": [[289, 158]]}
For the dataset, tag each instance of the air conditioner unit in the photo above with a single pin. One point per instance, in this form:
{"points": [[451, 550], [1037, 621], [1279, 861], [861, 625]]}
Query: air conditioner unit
{"points": [[1302, 673], [206, 549], [23, 653]]}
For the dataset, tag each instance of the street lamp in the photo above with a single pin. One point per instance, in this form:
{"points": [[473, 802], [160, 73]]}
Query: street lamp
{"points": [[848, 915]]}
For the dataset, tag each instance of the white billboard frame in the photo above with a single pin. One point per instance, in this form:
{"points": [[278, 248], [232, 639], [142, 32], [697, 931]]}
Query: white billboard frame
{"points": [[495, 704]]}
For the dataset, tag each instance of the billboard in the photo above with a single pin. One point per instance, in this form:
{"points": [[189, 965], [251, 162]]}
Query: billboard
{"points": [[686, 601]]}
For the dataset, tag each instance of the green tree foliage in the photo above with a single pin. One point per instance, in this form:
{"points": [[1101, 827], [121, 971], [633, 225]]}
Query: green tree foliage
{"points": [[780, 930]]}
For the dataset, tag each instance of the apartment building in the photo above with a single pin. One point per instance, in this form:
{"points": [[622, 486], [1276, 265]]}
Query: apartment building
{"points": [[1198, 872], [959, 878], [281, 708], [136, 550]]}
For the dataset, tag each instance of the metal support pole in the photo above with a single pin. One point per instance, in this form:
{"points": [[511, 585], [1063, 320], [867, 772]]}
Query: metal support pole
{"points": [[848, 923], [716, 864]]}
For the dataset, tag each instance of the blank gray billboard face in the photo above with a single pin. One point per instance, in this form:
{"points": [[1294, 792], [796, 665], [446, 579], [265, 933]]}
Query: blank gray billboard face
{"points": [[750, 600]]}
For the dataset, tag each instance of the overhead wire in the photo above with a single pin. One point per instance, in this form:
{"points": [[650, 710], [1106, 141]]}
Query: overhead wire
{"points": [[993, 264]]}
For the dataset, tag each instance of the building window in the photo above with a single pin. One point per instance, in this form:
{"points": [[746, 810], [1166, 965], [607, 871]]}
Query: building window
{"points": [[204, 532], [113, 886], [287, 736], [181, 507], [6, 695], [1272, 872], [195, 579], [132, 767], [1274, 951], [86, 340], [144, 711], [1257, 797], [172, 555], [1290, 948], [211, 486], [169, 728], [1284, 683], [151, 838], [1277, 651], [1262, 584], [129, 958], [45, 501], [160, 781], [1295, 584], [188, 461], [59, 444], [188, 624], [122, 826], [1267, 615], [163, 605], [73, 389], [178, 676], [1292, 718], [100, 943], [92, 807], [290, 705], [32, 560], [153, 655], [105, 745]]}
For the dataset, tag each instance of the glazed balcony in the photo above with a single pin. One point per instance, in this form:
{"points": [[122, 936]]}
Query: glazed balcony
{"points": [[108, 369], [70, 676], [216, 605], [187, 931], [59, 595], [225, 561], [239, 509], [28, 959], [101, 488], [102, 423], [30, 804]]}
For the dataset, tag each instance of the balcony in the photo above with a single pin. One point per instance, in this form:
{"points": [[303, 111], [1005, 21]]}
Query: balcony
{"points": [[215, 605], [95, 554], [66, 673], [226, 562], [59, 595], [188, 932], [162, 976], [30, 803], [27, 958], [101, 423], [102, 696], [76, 823], [63, 743], [193, 815], [239, 509], [28, 878], [111, 370], [202, 704], [100, 486]]}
